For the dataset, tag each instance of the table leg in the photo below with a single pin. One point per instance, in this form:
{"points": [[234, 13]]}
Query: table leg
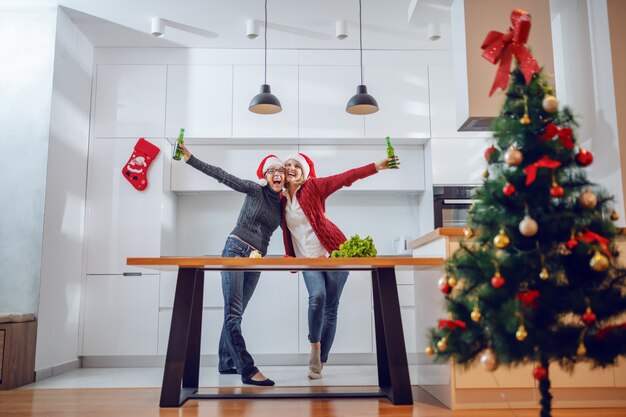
{"points": [[393, 368], [191, 374], [177, 346]]}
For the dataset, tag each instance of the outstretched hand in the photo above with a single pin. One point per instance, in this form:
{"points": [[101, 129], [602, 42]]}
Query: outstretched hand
{"points": [[186, 152], [384, 164]]}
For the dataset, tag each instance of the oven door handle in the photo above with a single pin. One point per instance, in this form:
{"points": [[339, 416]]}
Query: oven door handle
{"points": [[459, 201]]}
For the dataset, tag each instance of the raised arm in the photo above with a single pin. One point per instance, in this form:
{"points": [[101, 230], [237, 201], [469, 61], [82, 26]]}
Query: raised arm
{"points": [[328, 185], [229, 180]]}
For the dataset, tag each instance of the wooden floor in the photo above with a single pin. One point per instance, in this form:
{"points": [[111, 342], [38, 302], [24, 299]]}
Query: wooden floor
{"points": [[143, 402]]}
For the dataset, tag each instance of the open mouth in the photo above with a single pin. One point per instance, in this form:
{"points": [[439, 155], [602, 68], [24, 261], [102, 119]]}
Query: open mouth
{"points": [[276, 182]]}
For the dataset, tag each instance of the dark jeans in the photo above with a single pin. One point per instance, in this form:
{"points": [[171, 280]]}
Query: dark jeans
{"points": [[325, 289], [237, 288]]}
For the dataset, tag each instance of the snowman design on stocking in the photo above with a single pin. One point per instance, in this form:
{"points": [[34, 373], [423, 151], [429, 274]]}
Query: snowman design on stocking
{"points": [[137, 166]]}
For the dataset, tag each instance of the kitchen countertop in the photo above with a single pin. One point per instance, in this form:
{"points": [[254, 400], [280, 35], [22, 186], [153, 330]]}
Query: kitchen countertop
{"points": [[435, 234]]}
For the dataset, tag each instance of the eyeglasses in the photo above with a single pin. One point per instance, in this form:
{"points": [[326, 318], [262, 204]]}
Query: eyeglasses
{"points": [[273, 171]]}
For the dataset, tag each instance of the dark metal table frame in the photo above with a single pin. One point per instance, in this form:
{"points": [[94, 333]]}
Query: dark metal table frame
{"points": [[182, 362]]}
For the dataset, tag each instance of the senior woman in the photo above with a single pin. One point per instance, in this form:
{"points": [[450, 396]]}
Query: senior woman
{"points": [[308, 233], [259, 216]]}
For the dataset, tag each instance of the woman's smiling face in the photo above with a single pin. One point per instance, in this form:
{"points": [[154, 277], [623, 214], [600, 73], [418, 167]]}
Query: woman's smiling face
{"points": [[293, 170], [275, 177]]}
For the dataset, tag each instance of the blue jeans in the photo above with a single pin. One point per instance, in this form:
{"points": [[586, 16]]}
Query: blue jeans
{"points": [[237, 288], [325, 289]]}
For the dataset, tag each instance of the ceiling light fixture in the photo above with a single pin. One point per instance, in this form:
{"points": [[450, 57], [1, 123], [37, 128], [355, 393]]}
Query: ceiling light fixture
{"points": [[157, 27], [341, 29], [265, 102], [252, 28], [361, 102], [434, 31]]}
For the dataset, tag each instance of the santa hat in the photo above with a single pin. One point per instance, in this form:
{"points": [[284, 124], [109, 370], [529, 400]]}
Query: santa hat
{"points": [[267, 162], [308, 167]]}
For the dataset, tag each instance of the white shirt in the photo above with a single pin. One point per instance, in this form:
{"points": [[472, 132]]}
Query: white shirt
{"points": [[305, 242]]}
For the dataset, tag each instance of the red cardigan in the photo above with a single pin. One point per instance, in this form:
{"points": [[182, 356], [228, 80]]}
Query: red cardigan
{"points": [[312, 197]]}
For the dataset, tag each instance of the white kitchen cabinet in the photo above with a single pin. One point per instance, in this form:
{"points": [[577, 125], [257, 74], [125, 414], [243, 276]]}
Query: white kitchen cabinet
{"points": [[199, 99], [241, 161], [283, 81], [403, 98], [212, 289], [458, 161], [121, 221], [354, 318], [324, 93], [120, 315], [130, 101], [334, 159]]}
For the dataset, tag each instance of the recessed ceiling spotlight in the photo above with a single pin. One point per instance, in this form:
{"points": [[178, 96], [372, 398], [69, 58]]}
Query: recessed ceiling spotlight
{"points": [[434, 31], [157, 27], [341, 29], [252, 29]]}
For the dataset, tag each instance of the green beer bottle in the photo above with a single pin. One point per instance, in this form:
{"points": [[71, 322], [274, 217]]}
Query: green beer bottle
{"points": [[391, 154], [178, 152]]}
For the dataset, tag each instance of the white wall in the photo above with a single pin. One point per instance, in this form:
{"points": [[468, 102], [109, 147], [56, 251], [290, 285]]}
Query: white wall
{"points": [[61, 263], [27, 48], [584, 82]]}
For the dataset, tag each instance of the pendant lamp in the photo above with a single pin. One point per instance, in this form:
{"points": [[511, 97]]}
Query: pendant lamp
{"points": [[361, 102], [265, 102]]}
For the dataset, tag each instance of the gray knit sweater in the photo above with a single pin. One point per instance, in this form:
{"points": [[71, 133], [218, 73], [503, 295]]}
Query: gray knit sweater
{"points": [[261, 212]]}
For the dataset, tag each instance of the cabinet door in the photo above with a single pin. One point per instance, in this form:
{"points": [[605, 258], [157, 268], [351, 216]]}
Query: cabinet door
{"points": [[402, 96], [199, 99], [121, 222], [130, 101], [324, 93], [458, 161], [283, 81], [121, 315], [333, 159]]}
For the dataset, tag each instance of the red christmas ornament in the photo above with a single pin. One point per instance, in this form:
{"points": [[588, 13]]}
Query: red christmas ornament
{"points": [[508, 190], [489, 153], [584, 158], [497, 281], [589, 317], [539, 373], [445, 288], [557, 191]]}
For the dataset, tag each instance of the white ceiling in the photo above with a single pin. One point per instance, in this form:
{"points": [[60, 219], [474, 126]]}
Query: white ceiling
{"points": [[301, 24]]}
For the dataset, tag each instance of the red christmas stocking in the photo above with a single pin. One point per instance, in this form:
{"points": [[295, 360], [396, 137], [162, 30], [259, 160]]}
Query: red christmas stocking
{"points": [[137, 166]]}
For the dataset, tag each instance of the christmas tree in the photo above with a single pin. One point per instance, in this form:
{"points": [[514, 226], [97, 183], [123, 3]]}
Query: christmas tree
{"points": [[536, 278]]}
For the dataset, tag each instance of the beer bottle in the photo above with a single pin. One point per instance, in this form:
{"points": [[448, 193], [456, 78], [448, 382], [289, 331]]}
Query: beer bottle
{"points": [[178, 152], [391, 154]]}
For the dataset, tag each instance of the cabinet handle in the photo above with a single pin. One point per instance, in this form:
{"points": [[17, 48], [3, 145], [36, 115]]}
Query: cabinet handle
{"points": [[132, 274]]}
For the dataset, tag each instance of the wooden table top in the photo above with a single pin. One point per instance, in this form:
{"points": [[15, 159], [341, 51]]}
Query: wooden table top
{"points": [[271, 263]]}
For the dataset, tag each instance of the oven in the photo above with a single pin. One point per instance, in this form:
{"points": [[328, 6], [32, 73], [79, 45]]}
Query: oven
{"points": [[452, 205]]}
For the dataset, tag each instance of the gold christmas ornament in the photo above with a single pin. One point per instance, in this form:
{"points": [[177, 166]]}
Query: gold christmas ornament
{"points": [[475, 314], [486, 173], [582, 350], [452, 281], [588, 199], [513, 156], [501, 240], [521, 333], [528, 226], [488, 360], [550, 104], [614, 215], [442, 344], [525, 120], [429, 351], [468, 232], [599, 262], [544, 274]]}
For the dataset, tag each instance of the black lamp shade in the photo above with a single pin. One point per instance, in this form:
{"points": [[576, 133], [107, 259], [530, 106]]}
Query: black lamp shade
{"points": [[265, 102], [361, 102]]}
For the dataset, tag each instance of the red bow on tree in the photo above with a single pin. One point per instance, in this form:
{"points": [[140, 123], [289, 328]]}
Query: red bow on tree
{"points": [[501, 47], [603, 333], [528, 298], [591, 237], [565, 135], [452, 324], [531, 170]]}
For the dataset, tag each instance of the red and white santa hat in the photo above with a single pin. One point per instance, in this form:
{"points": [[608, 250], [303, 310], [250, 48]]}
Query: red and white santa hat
{"points": [[266, 163], [308, 167]]}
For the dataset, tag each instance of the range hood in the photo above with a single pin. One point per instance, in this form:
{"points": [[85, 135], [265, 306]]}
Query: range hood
{"points": [[473, 75]]}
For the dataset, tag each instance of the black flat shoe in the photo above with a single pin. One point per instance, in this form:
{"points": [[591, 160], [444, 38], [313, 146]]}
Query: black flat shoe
{"points": [[231, 371], [265, 383]]}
